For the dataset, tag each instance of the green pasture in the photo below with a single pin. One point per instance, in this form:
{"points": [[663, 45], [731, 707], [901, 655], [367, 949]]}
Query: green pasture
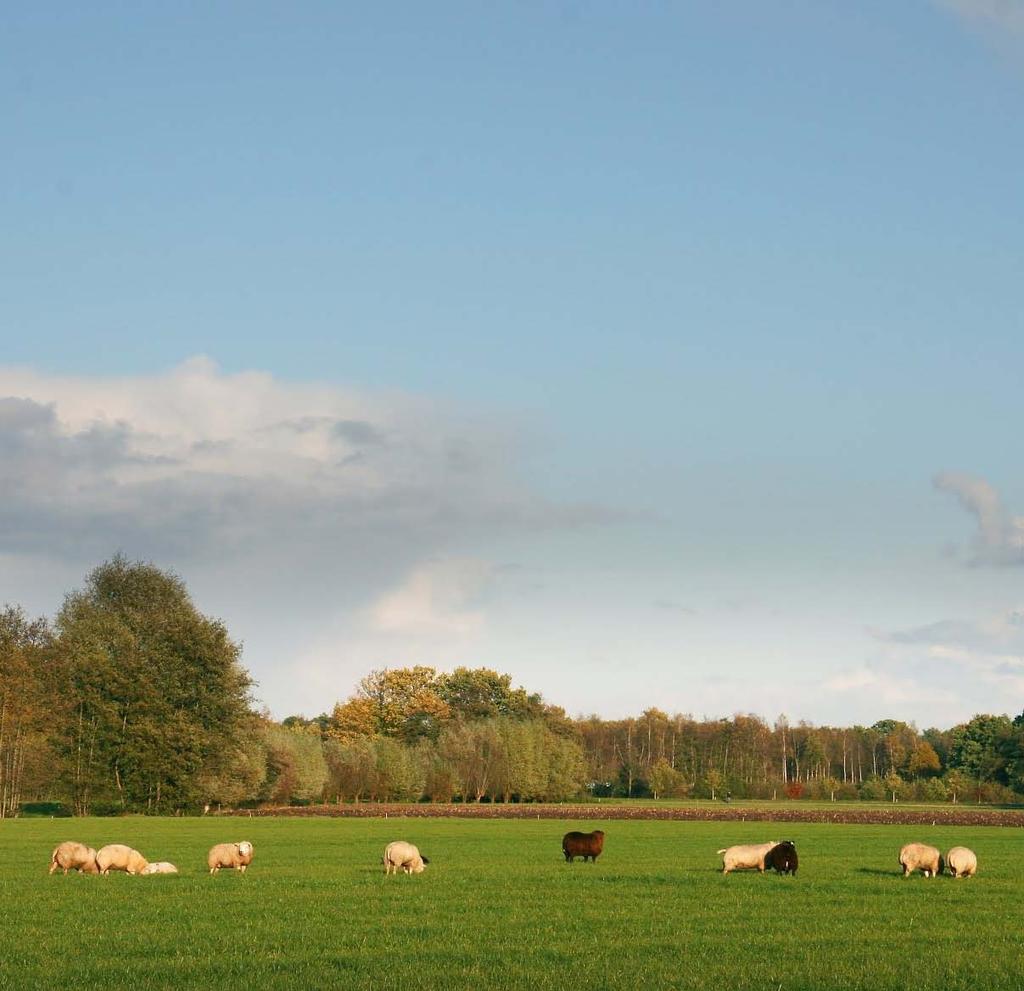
{"points": [[499, 908]]}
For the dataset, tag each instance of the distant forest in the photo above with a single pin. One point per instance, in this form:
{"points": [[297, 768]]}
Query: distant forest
{"points": [[131, 700]]}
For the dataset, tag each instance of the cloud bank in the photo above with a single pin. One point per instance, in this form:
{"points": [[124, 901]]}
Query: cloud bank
{"points": [[199, 463]]}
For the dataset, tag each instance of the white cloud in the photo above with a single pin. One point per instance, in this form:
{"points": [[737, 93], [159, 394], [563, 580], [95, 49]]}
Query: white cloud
{"points": [[437, 598], [887, 688], [1000, 536]]}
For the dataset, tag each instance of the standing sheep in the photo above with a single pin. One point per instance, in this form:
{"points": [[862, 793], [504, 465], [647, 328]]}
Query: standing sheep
{"points": [[236, 855], [583, 845], [71, 856], [920, 856], [405, 856], [118, 857], [736, 858], [962, 862], [782, 858]]}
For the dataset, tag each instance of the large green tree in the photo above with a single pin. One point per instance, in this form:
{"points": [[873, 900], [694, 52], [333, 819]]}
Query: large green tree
{"points": [[978, 747], [161, 702]]}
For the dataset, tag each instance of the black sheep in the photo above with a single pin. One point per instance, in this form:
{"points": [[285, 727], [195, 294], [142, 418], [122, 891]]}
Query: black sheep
{"points": [[583, 845], [782, 858]]}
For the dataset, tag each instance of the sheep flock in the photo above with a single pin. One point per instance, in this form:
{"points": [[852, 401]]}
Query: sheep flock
{"points": [[403, 857]]}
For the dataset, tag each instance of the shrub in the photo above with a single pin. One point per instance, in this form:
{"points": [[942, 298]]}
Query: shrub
{"points": [[873, 790]]}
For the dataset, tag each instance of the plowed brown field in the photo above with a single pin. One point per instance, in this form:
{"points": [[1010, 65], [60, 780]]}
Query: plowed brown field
{"points": [[883, 815]]}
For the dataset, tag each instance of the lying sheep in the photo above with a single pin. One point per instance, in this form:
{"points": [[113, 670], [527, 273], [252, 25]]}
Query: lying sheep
{"points": [[920, 856], [782, 858], [738, 858], [405, 856], [583, 845], [962, 862], [118, 857], [71, 856], [236, 855], [160, 867]]}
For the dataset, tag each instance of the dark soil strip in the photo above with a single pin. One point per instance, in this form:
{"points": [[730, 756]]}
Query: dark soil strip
{"points": [[884, 815]]}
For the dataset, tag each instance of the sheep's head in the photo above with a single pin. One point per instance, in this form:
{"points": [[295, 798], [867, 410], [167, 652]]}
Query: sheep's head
{"points": [[245, 848]]}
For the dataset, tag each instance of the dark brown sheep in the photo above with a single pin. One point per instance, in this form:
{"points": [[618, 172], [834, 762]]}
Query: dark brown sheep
{"points": [[583, 845], [782, 858]]}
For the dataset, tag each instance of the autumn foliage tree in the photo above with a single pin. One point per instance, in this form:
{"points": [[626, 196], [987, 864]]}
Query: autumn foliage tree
{"points": [[28, 706]]}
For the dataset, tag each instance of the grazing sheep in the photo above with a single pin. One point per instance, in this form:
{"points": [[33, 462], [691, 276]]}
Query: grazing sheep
{"points": [[962, 862], [160, 867], [782, 858], [920, 856], [236, 855], [583, 845], [71, 856], [405, 856], [118, 857], [738, 858]]}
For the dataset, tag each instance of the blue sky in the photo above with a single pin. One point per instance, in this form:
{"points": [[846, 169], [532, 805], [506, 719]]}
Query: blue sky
{"points": [[639, 350]]}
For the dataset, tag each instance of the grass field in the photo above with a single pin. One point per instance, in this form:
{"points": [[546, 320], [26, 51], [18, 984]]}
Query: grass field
{"points": [[499, 908]]}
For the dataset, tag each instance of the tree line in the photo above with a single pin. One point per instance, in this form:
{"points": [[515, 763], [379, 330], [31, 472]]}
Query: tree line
{"points": [[130, 699]]}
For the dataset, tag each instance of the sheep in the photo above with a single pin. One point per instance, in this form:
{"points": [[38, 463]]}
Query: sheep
{"points": [[961, 862], [583, 845], [782, 858], [405, 856], [920, 856], [160, 867], [746, 857], [72, 856], [118, 857], [236, 855]]}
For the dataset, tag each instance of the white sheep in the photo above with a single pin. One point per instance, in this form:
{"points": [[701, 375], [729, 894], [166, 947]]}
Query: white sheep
{"points": [[118, 857], [231, 855], [920, 856], [72, 856], [737, 858], [160, 867], [962, 862], [405, 856]]}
